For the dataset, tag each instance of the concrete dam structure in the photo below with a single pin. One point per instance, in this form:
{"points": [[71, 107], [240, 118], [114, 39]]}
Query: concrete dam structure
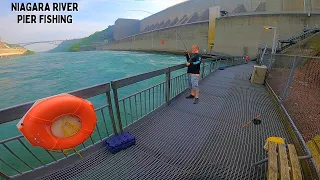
{"points": [[234, 27]]}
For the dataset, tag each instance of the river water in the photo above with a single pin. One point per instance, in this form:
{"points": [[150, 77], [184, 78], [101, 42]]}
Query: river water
{"points": [[28, 78]]}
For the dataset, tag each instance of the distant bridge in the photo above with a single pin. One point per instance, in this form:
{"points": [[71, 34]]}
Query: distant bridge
{"points": [[54, 42]]}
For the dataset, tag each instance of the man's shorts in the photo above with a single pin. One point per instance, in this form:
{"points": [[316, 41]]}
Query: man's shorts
{"points": [[193, 81]]}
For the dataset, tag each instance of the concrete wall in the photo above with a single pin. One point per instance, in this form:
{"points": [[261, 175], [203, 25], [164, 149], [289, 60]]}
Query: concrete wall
{"points": [[189, 7], [191, 34], [192, 6], [125, 27], [233, 34], [293, 5], [274, 5], [236, 33], [315, 4]]}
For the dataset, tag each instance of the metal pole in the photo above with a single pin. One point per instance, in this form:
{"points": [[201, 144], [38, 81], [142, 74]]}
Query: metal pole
{"points": [[202, 74], [309, 8], [266, 160], [4, 175], [264, 51], [274, 40], [152, 40], [290, 79], [111, 113], [168, 87], [176, 41], [116, 102]]}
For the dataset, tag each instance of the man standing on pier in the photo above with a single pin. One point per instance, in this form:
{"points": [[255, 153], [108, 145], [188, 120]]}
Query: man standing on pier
{"points": [[193, 63]]}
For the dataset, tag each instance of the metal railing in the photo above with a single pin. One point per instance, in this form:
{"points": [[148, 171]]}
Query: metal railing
{"points": [[18, 157], [295, 81], [285, 43]]}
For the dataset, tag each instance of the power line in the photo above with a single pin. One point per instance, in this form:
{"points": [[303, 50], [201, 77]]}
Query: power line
{"points": [[141, 11]]}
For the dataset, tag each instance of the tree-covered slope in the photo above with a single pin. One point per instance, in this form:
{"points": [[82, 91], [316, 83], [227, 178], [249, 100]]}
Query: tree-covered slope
{"points": [[64, 46], [87, 43]]}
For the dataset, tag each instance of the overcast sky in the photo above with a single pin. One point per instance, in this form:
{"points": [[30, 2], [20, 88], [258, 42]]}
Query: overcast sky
{"points": [[93, 15]]}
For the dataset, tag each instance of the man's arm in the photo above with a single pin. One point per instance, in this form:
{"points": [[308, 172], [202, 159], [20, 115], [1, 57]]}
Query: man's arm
{"points": [[199, 58], [187, 56]]}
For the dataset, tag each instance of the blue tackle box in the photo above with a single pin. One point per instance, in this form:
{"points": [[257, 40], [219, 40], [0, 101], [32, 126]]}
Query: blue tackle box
{"points": [[120, 142]]}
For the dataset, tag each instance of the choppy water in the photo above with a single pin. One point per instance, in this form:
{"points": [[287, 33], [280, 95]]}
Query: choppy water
{"points": [[29, 78]]}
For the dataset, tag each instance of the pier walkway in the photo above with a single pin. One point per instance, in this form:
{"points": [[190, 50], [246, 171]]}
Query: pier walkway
{"points": [[187, 141]]}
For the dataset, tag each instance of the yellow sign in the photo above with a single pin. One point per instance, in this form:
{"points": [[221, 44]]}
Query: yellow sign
{"points": [[214, 12]]}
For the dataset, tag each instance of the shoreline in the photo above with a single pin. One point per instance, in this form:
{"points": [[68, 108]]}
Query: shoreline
{"points": [[13, 56], [10, 56], [158, 52], [145, 51]]}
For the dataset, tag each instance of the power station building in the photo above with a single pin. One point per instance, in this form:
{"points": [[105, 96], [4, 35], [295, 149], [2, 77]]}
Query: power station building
{"points": [[238, 18]]}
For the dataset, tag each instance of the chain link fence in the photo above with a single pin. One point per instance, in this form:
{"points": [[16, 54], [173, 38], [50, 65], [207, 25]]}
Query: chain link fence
{"points": [[296, 82]]}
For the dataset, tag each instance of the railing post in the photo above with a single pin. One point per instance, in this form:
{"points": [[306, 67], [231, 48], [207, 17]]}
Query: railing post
{"points": [[202, 74], [290, 79], [111, 113], [210, 67], [116, 102], [4, 175], [168, 79], [264, 51]]}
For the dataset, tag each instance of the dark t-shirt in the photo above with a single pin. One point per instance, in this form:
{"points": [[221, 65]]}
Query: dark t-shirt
{"points": [[195, 62]]}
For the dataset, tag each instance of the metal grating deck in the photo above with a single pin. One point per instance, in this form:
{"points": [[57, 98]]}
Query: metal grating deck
{"points": [[187, 141]]}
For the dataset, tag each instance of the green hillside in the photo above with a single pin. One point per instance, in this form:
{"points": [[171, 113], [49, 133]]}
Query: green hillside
{"points": [[87, 43], [28, 53], [64, 46]]}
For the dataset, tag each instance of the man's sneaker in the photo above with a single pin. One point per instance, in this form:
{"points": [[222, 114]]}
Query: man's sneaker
{"points": [[196, 100], [190, 97]]}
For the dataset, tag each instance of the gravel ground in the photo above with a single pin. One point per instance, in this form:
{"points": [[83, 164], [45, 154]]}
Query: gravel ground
{"points": [[303, 100]]}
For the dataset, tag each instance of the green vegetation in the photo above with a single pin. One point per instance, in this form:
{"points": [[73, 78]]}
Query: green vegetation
{"points": [[64, 46], [74, 47], [315, 46], [28, 52], [87, 43]]}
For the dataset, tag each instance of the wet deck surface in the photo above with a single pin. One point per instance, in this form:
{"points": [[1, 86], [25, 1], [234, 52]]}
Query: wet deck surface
{"points": [[202, 141]]}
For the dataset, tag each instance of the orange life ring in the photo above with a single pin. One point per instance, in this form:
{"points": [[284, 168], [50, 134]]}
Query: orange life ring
{"points": [[41, 123]]}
